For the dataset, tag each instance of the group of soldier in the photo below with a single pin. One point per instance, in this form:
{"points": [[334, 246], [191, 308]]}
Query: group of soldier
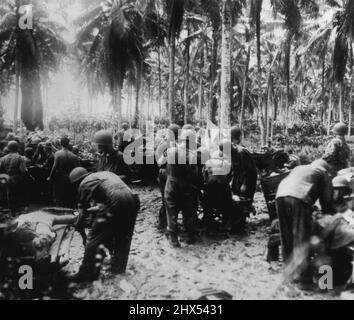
{"points": [[210, 179], [189, 175]]}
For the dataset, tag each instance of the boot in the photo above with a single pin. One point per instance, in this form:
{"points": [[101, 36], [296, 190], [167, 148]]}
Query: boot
{"points": [[173, 240], [191, 239]]}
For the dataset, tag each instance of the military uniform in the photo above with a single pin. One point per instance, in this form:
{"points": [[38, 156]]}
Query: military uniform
{"points": [[14, 165], [338, 153], [181, 191], [114, 162], [113, 224], [65, 161], [296, 195], [244, 173], [217, 191]]}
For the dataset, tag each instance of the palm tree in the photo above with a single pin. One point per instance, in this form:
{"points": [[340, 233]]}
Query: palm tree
{"points": [[230, 11], [292, 13], [212, 10], [343, 50], [110, 44], [255, 21], [175, 13], [28, 54]]}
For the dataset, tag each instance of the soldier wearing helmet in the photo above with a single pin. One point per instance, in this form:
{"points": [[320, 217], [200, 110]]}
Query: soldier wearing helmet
{"points": [[295, 199], [14, 165], [170, 141], [110, 159], [124, 137], [338, 150], [244, 170], [64, 162], [112, 209], [181, 191]]}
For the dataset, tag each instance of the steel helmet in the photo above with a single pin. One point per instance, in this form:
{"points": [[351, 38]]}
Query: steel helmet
{"points": [[341, 182], [174, 128], [188, 127], [36, 141], [340, 129], [13, 146], [103, 138], [236, 133], [77, 174]]}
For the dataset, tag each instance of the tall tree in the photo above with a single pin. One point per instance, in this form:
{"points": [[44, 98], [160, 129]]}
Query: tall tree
{"points": [[30, 51], [175, 13], [343, 46], [110, 44], [231, 10]]}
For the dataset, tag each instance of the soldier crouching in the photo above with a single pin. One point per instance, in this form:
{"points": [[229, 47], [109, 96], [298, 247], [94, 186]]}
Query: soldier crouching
{"points": [[113, 219]]}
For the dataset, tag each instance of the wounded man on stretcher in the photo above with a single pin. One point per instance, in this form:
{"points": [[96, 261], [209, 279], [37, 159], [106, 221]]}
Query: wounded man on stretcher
{"points": [[43, 235]]}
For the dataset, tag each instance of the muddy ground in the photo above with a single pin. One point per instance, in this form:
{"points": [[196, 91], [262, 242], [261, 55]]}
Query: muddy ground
{"points": [[156, 271]]}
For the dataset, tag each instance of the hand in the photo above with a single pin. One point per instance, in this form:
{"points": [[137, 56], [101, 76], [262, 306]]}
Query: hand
{"points": [[49, 179]]}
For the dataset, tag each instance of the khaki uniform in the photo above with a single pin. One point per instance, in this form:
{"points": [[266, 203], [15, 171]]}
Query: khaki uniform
{"points": [[113, 225], [296, 195], [181, 191]]}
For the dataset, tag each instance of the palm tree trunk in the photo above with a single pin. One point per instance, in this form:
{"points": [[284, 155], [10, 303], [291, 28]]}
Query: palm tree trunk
{"points": [[351, 91], [17, 96], [269, 101], [213, 70], [341, 102], [244, 88], [171, 100], [201, 91], [225, 101], [118, 103], [137, 100], [149, 103], [160, 82], [287, 66], [206, 92], [323, 110], [330, 108], [186, 77]]}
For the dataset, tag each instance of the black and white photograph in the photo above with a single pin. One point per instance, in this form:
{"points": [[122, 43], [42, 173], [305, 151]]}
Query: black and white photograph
{"points": [[176, 155]]}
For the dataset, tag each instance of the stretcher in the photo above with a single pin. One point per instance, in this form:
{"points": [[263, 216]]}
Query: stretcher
{"points": [[59, 252]]}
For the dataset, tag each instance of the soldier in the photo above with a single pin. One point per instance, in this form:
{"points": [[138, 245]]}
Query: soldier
{"points": [[338, 148], [181, 191], [217, 191], [111, 160], [124, 137], [244, 170], [170, 142], [113, 219], [14, 165], [65, 161], [294, 201]]}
